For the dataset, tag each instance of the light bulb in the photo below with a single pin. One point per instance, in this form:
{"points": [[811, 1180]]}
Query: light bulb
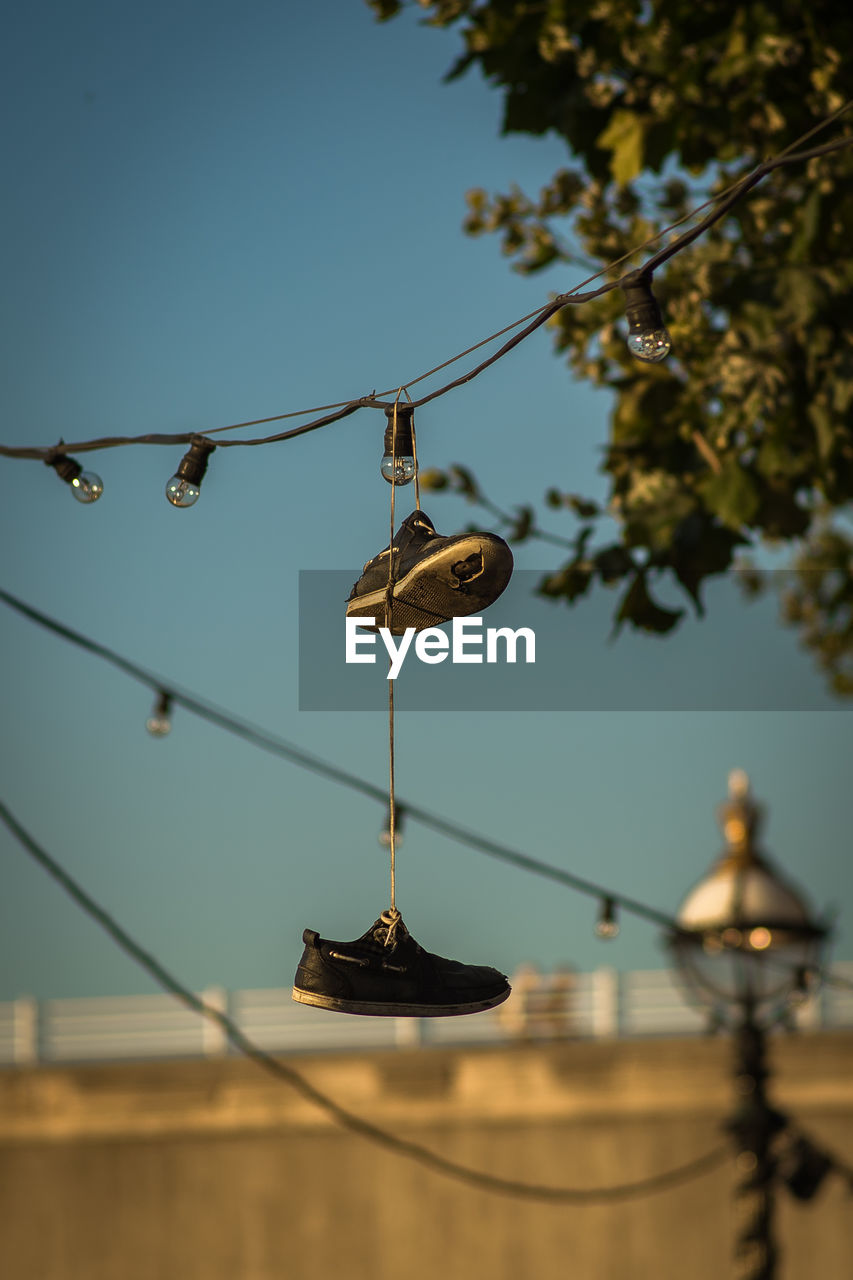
{"points": [[87, 487], [648, 338], [159, 723], [84, 485], [399, 470], [181, 493], [398, 463], [607, 926], [652, 345], [185, 485]]}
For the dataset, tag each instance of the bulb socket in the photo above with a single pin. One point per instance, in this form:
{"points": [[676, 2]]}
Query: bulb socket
{"points": [[641, 307], [163, 705], [68, 469], [194, 462], [403, 447]]}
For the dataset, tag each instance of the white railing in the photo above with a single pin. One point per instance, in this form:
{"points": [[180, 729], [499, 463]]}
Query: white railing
{"points": [[561, 1005]]}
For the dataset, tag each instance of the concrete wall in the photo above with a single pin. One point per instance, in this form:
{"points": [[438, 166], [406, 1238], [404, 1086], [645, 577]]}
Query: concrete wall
{"points": [[212, 1170]]}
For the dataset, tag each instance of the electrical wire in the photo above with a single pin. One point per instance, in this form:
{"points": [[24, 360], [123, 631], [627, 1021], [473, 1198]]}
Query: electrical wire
{"points": [[723, 202], [275, 745], [296, 755], [236, 1037], [340, 1115]]}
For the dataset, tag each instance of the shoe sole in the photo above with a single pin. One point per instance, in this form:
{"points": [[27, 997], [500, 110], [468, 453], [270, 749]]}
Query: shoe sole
{"points": [[392, 1010], [421, 600]]}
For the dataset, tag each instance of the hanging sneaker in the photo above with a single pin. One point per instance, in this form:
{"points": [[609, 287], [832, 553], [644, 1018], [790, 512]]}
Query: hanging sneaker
{"points": [[386, 973], [434, 578]]}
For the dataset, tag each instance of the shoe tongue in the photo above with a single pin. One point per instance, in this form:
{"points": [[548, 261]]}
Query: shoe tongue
{"points": [[382, 927], [418, 520]]}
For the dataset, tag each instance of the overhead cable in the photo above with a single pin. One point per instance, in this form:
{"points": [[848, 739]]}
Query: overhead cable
{"points": [[340, 1115], [278, 746], [723, 202], [296, 755]]}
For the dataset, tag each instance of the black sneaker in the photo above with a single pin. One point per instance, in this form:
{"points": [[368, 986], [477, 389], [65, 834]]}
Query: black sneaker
{"points": [[434, 578], [386, 973]]}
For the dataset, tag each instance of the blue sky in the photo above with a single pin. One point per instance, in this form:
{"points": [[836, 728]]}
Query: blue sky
{"points": [[217, 212]]}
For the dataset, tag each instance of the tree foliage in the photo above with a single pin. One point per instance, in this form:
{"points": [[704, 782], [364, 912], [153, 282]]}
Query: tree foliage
{"points": [[743, 437]]}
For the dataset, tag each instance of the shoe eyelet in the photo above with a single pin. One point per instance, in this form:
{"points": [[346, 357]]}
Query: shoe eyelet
{"points": [[337, 955]]}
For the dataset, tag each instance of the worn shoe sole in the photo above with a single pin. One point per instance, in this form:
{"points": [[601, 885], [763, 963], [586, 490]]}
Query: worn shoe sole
{"points": [[389, 1010], [430, 593]]}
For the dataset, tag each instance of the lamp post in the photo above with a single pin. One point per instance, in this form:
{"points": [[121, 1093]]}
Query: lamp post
{"points": [[745, 947]]}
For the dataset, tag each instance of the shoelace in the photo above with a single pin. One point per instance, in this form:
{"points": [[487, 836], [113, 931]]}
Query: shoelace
{"points": [[390, 919]]}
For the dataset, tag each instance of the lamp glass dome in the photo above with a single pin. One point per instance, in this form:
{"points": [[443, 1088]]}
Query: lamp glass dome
{"points": [[745, 937]]}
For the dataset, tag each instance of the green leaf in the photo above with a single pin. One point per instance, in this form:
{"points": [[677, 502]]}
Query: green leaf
{"points": [[385, 9], [432, 479], [731, 494], [522, 524], [824, 428], [779, 513], [701, 548], [463, 481], [809, 222], [613, 563], [625, 138], [582, 507], [775, 457], [842, 394], [568, 583], [642, 612]]}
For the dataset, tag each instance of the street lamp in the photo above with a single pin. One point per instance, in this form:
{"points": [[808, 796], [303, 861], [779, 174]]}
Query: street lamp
{"points": [[747, 947]]}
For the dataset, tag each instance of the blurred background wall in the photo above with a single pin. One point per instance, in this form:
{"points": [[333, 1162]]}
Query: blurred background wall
{"points": [[212, 1170]]}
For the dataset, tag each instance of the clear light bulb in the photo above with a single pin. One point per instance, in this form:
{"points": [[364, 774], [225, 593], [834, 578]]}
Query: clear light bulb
{"points": [[607, 926], [398, 464], [158, 726], [159, 723], [648, 338], [399, 470], [84, 485], [185, 485], [87, 487], [181, 493], [651, 345]]}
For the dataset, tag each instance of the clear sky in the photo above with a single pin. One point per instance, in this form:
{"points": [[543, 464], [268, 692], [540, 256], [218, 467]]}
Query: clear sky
{"points": [[216, 212]]}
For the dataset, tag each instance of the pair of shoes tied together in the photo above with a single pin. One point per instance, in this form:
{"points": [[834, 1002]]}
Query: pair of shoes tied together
{"points": [[385, 973], [421, 580], [432, 578]]}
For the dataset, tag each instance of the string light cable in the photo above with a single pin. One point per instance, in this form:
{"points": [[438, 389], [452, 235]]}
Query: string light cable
{"points": [[272, 743], [340, 1115], [184, 485], [170, 695], [720, 204]]}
